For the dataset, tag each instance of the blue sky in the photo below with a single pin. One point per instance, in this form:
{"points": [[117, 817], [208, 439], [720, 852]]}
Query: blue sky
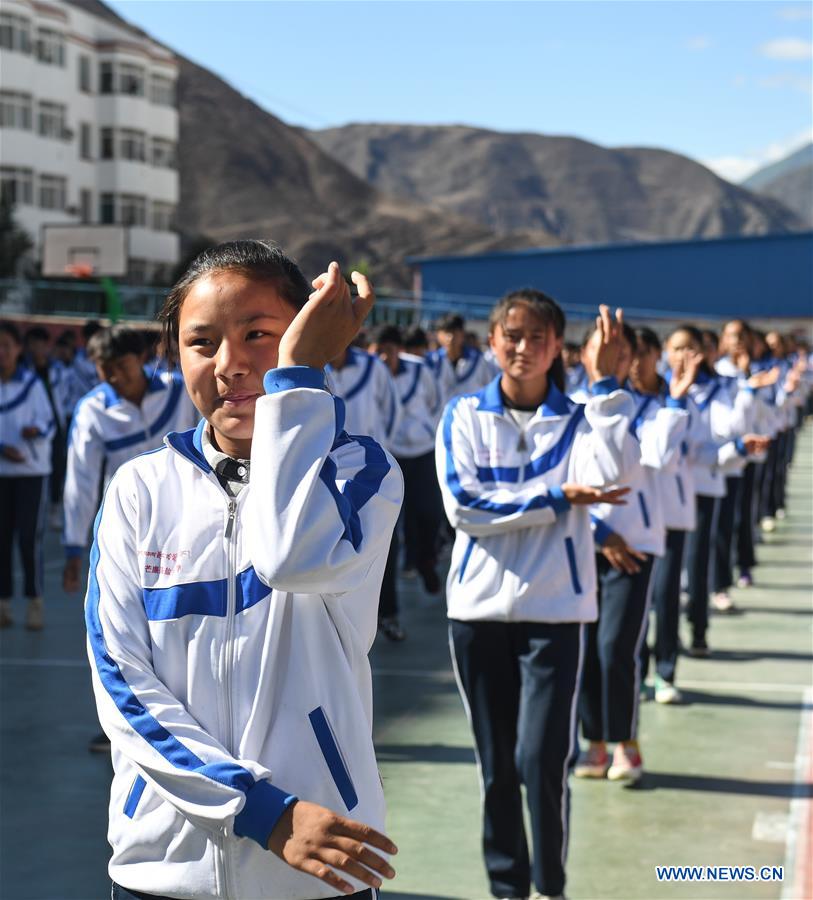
{"points": [[727, 83]]}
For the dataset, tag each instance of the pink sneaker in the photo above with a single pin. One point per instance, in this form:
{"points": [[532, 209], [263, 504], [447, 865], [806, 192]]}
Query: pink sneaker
{"points": [[592, 763], [627, 764]]}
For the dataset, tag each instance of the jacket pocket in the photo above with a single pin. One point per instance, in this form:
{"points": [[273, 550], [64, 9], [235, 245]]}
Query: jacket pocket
{"points": [[644, 510], [134, 796], [465, 561], [333, 757], [571, 561]]}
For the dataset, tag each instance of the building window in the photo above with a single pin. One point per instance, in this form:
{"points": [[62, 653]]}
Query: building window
{"points": [[106, 77], [51, 120], [163, 216], [132, 145], [107, 209], [15, 110], [85, 141], [86, 206], [50, 47], [15, 33], [107, 143], [85, 84], [162, 90], [131, 79], [132, 209], [53, 189], [164, 153], [17, 185]]}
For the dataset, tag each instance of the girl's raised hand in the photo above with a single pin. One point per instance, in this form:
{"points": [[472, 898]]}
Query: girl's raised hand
{"points": [[328, 322], [605, 346], [685, 373]]}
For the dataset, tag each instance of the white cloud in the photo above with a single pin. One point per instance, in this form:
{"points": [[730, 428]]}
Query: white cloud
{"points": [[787, 48], [738, 168], [698, 42], [795, 13], [787, 80]]}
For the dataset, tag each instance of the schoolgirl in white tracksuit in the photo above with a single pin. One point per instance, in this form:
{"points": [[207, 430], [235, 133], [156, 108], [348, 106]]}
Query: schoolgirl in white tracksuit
{"points": [[106, 431], [522, 581], [232, 603], [608, 706], [371, 402], [468, 373], [27, 428]]}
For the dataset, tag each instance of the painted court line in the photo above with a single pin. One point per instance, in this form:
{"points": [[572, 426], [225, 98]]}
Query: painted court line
{"points": [[798, 883]]}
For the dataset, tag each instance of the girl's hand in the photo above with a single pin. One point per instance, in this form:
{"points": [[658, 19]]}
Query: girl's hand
{"points": [[621, 556], [605, 345], [743, 361], [756, 444], [685, 373], [764, 379], [12, 454], [30, 431], [582, 495], [315, 840], [328, 322]]}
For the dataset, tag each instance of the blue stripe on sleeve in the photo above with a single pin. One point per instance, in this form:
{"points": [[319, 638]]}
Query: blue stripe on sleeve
{"points": [[416, 378], [226, 772], [330, 751], [20, 398], [157, 426], [289, 377], [365, 377], [601, 530]]}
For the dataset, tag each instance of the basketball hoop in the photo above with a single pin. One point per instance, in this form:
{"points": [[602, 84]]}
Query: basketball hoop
{"points": [[80, 269]]}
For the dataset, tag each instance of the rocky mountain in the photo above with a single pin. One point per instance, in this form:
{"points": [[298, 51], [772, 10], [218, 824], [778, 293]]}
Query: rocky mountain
{"points": [[582, 192], [790, 180], [255, 176]]}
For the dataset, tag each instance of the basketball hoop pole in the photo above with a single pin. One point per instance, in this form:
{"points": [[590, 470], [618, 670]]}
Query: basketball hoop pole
{"points": [[114, 305]]}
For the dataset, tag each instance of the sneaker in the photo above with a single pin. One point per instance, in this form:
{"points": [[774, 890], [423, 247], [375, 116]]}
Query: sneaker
{"points": [[780, 514], [6, 620], [722, 602], [537, 896], [99, 744], [746, 579], [429, 576], [627, 764], [699, 648], [391, 629], [592, 763], [768, 524], [666, 692], [33, 614]]}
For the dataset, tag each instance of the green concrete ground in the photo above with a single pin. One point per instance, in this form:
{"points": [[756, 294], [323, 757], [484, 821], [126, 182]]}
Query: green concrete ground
{"points": [[720, 769]]}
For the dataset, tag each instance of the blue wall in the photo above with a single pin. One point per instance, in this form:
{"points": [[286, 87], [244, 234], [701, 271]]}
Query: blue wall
{"points": [[748, 277]]}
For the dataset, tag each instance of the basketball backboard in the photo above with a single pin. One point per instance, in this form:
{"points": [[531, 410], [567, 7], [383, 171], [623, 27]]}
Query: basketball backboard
{"points": [[71, 251]]}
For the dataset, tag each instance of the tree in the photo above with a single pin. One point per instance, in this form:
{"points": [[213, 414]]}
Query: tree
{"points": [[15, 243]]}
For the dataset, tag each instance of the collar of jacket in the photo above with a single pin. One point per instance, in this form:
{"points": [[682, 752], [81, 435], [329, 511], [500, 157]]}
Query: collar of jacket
{"points": [[555, 404]]}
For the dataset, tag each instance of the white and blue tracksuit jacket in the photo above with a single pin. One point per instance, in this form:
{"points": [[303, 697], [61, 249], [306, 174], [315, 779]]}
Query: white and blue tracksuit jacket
{"points": [[228, 639], [521, 552], [105, 432], [371, 400], [718, 419], [420, 400], [470, 373], [23, 404], [659, 425]]}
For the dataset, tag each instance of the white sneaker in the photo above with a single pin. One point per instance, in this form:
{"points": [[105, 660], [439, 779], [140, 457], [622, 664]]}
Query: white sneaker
{"points": [[722, 602], [780, 514], [627, 764], [768, 524], [666, 692], [33, 614]]}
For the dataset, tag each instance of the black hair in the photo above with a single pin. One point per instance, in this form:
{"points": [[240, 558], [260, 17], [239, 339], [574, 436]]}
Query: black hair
{"points": [[66, 340], [11, 330], [115, 342], [627, 330], [415, 338], [711, 335], [450, 322], [90, 328], [648, 338], [37, 333], [258, 260], [546, 309], [389, 334]]}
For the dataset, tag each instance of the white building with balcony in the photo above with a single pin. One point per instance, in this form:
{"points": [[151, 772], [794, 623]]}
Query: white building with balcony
{"points": [[89, 129]]}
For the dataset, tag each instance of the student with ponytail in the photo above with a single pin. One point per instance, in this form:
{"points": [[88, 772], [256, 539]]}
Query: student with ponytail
{"points": [[519, 464]]}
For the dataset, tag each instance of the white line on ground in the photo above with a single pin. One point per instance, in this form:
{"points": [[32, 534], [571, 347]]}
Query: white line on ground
{"points": [[770, 827], [799, 803]]}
